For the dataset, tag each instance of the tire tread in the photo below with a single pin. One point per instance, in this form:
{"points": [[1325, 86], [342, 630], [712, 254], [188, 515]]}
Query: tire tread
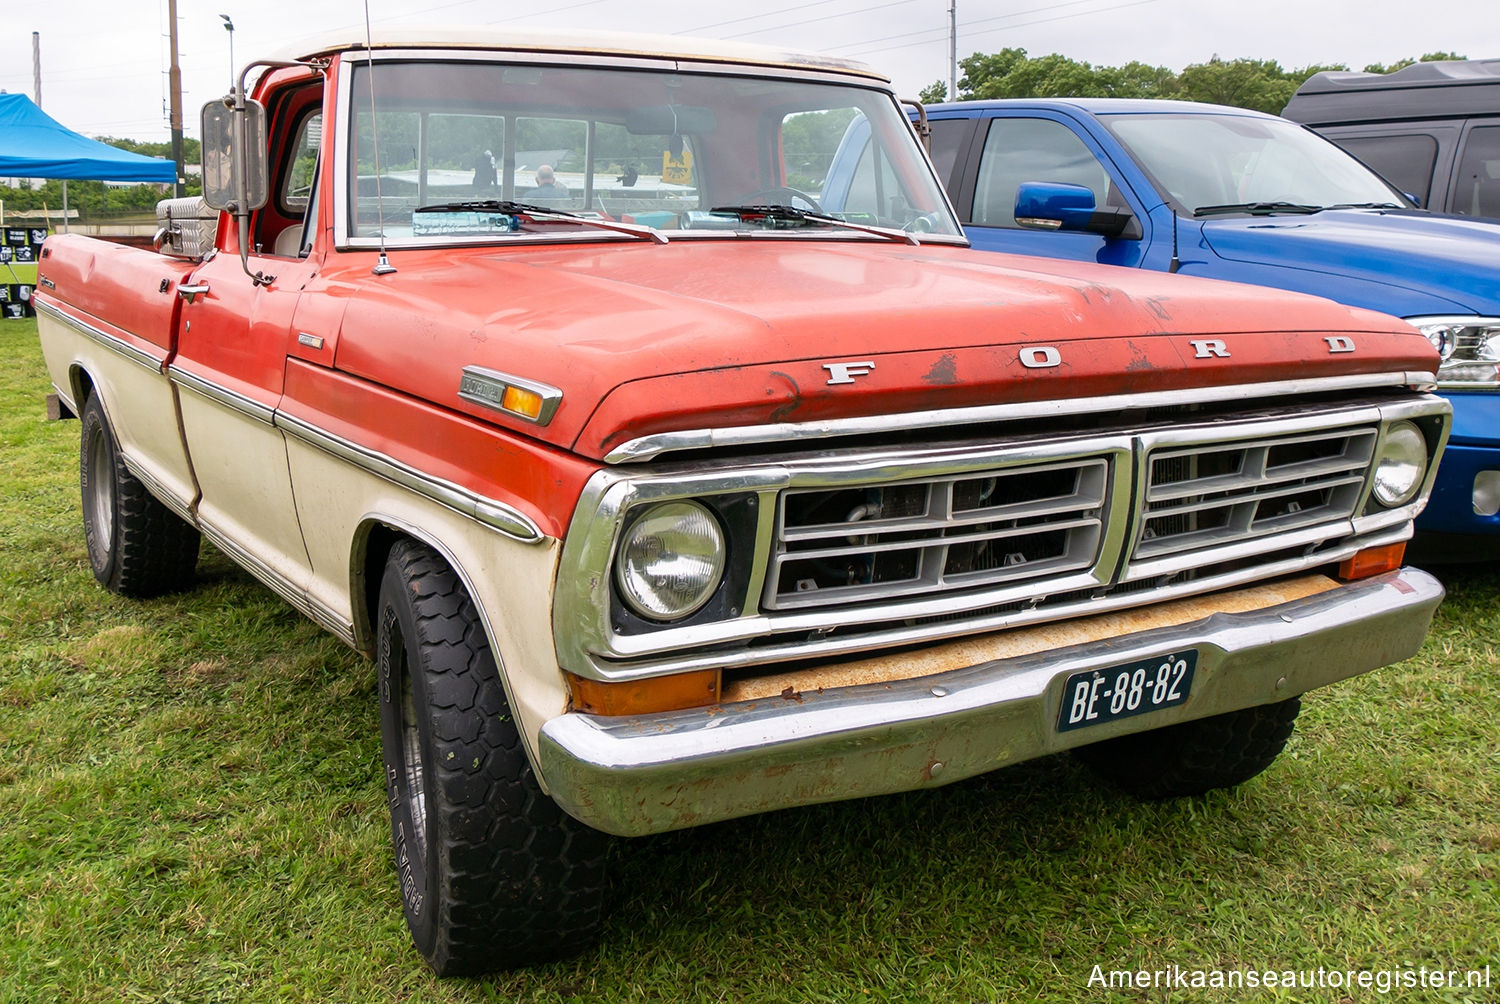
{"points": [[519, 881], [1194, 757]]}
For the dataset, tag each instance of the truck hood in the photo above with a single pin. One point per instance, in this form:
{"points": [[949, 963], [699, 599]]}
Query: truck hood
{"points": [[1407, 260], [644, 339]]}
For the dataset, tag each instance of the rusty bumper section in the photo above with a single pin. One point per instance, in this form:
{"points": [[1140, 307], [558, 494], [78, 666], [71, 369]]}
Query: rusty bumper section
{"points": [[653, 773]]}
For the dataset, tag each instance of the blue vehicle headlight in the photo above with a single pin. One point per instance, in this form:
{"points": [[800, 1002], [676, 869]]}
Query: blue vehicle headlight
{"points": [[1470, 349]]}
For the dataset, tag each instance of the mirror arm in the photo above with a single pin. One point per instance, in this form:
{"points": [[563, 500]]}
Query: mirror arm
{"points": [[241, 152]]}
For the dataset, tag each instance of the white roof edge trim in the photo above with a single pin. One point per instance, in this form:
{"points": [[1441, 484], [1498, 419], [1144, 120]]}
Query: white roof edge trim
{"points": [[562, 42]]}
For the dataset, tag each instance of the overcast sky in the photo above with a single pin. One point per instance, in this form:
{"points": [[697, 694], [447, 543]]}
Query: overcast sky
{"points": [[104, 62]]}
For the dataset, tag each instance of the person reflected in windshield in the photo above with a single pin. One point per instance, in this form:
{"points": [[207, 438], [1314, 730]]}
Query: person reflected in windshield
{"points": [[484, 170], [547, 185]]}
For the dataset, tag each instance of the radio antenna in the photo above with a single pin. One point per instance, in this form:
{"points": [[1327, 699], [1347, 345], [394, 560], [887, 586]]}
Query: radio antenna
{"points": [[1176, 261], [383, 265]]}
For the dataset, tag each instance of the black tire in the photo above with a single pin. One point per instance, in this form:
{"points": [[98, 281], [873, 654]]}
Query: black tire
{"points": [[493, 875], [1197, 756], [137, 546]]}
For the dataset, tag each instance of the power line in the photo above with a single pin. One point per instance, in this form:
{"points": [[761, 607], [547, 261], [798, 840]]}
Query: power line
{"points": [[754, 17], [969, 24], [815, 20], [1005, 27]]}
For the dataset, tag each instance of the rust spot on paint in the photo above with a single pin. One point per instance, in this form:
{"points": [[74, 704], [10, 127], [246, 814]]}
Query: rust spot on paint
{"points": [[791, 694], [1158, 308], [794, 397], [1140, 360], [944, 372]]}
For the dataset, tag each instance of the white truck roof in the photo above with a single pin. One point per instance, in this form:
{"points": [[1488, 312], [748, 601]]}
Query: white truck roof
{"points": [[561, 41]]}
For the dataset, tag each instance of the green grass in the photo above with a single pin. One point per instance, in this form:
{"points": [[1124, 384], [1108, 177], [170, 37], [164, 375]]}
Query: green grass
{"points": [[191, 810]]}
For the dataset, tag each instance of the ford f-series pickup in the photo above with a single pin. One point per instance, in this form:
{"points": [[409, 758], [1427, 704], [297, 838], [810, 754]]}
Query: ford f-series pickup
{"points": [[664, 488]]}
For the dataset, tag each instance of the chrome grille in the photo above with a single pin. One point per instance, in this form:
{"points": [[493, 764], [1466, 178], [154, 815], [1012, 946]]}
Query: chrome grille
{"points": [[876, 541], [1205, 498]]}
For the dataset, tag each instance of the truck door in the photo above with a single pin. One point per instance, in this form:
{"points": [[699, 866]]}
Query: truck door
{"points": [[229, 369], [1021, 148], [231, 360]]}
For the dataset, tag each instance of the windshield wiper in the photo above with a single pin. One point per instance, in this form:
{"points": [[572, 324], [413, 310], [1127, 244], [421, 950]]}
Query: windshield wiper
{"points": [[1257, 208], [536, 212], [1368, 205], [791, 214]]}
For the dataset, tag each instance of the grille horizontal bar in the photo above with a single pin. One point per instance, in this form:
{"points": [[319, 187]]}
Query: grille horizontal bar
{"points": [[876, 541]]}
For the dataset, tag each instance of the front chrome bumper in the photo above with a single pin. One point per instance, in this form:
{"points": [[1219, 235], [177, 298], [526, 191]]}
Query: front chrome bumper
{"points": [[653, 773]]}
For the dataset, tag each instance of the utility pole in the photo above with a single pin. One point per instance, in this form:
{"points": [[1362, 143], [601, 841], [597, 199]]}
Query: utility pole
{"points": [[953, 51], [174, 87], [36, 72]]}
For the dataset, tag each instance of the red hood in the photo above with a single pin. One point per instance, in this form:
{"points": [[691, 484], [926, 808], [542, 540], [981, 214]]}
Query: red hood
{"points": [[645, 338]]}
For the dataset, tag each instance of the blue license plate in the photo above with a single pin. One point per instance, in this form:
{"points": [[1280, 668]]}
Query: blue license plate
{"points": [[1096, 696]]}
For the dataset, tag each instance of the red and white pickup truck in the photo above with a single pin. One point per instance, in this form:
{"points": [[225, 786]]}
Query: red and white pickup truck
{"points": [[663, 493]]}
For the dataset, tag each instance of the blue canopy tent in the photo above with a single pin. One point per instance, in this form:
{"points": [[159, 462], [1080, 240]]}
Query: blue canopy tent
{"points": [[35, 145]]}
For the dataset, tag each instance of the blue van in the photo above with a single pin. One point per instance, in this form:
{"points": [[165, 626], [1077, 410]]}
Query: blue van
{"points": [[1233, 194]]}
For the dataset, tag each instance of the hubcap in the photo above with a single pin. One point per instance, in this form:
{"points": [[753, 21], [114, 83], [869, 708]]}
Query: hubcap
{"points": [[101, 500], [411, 762]]}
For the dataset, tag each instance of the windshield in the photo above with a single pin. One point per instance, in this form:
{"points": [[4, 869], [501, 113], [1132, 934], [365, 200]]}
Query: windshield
{"points": [[1227, 162], [649, 148]]}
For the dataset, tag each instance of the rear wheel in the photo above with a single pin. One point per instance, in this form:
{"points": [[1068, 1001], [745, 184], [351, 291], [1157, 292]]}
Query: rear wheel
{"points": [[492, 873], [137, 546], [1197, 756]]}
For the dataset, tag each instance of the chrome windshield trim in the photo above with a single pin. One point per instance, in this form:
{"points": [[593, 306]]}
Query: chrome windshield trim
{"points": [[233, 400], [494, 514], [112, 342], [649, 447]]}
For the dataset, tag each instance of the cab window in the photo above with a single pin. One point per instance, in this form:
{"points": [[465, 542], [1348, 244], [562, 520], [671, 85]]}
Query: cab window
{"points": [[1019, 150]]}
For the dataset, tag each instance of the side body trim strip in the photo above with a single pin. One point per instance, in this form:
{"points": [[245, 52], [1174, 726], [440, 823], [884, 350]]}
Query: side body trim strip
{"points": [[237, 402], [498, 515], [112, 342]]}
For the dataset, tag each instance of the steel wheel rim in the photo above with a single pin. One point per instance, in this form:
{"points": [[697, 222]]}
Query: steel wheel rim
{"points": [[411, 762], [101, 494]]}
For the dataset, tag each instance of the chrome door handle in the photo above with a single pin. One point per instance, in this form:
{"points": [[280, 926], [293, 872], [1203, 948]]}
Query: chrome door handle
{"points": [[188, 292]]}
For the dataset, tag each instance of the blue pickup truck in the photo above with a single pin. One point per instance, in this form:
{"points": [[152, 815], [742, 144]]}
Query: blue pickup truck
{"points": [[1232, 194]]}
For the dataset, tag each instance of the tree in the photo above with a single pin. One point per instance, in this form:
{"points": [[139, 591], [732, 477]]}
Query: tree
{"points": [[1260, 84], [1431, 57], [934, 92]]}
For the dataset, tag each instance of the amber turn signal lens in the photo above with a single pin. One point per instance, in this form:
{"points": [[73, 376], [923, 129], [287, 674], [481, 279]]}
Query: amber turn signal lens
{"points": [[639, 697], [1372, 561], [523, 402]]}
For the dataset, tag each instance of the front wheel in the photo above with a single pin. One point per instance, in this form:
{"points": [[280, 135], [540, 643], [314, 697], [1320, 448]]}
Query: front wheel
{"points": [[137, 546], [1193, 757], [493, 875]]}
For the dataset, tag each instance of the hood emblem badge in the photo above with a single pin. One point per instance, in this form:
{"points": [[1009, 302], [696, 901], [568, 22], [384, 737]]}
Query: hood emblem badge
{"points": [[846, 372], [1339, 343]]}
